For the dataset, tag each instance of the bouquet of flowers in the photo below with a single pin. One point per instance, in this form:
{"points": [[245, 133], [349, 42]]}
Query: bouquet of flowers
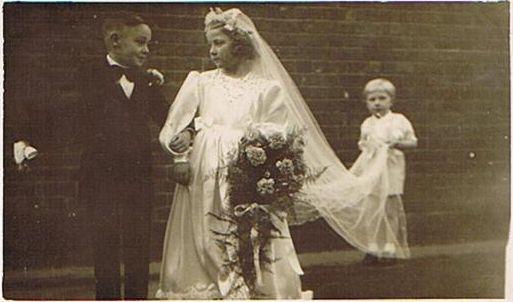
{"points": [[265, 176]]}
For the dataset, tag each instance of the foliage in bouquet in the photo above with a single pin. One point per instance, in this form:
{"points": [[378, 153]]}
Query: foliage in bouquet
{"points": [[265, 176]]}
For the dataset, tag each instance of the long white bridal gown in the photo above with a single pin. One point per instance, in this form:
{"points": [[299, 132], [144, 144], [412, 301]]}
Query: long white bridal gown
{"points": [[226, 106]]}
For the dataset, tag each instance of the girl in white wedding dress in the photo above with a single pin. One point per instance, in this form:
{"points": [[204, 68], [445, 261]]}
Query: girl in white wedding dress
{"points": [[250, 86], [227, 101]]}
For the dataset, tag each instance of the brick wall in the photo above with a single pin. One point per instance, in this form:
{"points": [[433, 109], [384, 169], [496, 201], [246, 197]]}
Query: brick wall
{"points": [[449, 63]]}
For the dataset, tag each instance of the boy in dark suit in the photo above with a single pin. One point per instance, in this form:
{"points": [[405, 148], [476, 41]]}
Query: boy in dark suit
{"points": [[117, 100]]}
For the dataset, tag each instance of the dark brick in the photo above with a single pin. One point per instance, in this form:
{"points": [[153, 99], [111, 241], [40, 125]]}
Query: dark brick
{"points": [[61, 188], [449, 62]]}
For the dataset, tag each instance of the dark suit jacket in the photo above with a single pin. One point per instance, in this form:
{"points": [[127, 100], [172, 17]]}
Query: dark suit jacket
{"points": [[111, 131]]}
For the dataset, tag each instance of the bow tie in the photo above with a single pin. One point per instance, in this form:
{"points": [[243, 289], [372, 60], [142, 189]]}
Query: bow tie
{"points": [[131, 74]]}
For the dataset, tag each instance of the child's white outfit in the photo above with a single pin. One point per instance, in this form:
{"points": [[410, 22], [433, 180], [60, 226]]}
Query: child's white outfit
{"points": [[389, 129]]}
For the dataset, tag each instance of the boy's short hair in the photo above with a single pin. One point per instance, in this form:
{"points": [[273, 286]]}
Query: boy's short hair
{"points": [[119, 21], [379, 84]]}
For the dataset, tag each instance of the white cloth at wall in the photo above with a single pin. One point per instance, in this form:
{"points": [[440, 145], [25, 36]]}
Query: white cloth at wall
{"points": [[23, 151]]}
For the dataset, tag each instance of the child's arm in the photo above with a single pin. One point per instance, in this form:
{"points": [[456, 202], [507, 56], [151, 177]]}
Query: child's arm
{"points": [[361, 142], [408, 140], [404, 144], [363, 136]]}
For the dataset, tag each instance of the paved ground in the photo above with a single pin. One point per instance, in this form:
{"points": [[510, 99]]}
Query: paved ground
{"points": [[473, 270]]}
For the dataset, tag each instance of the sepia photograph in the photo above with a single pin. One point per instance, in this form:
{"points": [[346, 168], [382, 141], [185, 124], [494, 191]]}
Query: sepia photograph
{"points": [[244, 150]]}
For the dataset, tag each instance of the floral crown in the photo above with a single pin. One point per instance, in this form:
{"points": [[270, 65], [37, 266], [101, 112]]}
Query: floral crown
{"points": [[233, 19]]}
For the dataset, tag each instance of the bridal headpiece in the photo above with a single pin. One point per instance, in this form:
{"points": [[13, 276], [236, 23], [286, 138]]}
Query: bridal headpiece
{"points": [[232, 19]]}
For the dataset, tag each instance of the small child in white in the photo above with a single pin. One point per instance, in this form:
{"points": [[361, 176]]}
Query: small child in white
{"points": [[396, 131]]}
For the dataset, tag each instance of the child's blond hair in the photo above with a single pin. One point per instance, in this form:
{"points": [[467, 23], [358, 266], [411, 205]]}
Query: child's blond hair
{"points": [[379, 84]]}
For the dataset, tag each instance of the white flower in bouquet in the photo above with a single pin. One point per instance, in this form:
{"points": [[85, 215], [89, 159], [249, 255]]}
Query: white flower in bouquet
{"points": [[285, 166], [256, 155], [277, 140], [265, 186]]}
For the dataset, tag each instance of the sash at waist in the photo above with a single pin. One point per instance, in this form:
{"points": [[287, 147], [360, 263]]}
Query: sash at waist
{"points": [[201, 123]]}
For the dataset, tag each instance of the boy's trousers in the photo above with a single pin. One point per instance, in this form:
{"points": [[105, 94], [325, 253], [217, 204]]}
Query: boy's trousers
{"points": [[121, 224]]}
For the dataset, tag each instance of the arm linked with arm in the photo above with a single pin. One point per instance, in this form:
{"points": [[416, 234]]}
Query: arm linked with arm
{"points": [[180, 116]]}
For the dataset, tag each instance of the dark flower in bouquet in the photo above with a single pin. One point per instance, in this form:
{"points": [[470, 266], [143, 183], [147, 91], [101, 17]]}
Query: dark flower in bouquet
{"points": [[265, 177]]}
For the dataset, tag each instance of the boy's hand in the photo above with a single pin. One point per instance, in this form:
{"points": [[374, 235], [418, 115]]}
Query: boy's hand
{"points": [[180, 142], [181, 173]]}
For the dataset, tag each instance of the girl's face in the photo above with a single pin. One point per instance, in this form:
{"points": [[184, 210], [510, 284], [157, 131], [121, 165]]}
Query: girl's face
{"points": [[378, 102], [221, 50]]}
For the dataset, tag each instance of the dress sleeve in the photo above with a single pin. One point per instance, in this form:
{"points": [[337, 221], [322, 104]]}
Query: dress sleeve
{"points": [[363, 134], [271, 106], [182, 111], [407, 129]]}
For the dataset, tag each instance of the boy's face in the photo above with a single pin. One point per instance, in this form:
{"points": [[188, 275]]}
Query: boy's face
{"points": [[131, 47], [378, 102]]}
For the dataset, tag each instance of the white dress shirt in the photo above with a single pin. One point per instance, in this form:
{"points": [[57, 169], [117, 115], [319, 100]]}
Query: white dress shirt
{"points": [[126, 85]]}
